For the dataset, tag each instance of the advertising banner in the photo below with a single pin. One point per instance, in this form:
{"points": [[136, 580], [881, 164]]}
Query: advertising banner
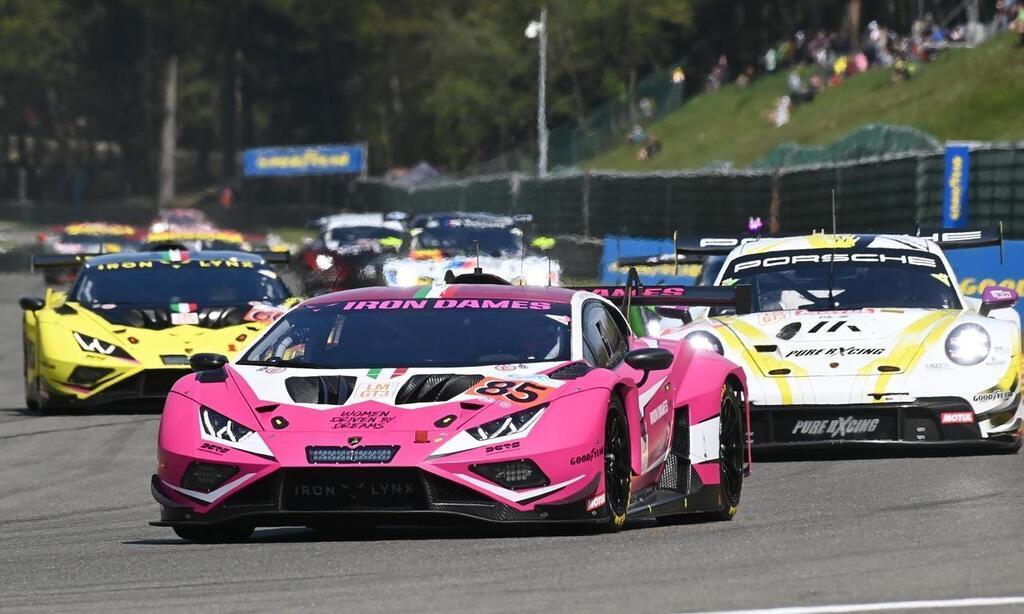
{"points": [[304, 160], [955, 185], [616, 247], [977, 269]]}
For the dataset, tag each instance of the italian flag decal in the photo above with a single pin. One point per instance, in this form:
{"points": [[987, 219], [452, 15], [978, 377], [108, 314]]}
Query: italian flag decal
{"points": [[378, 372], [435, 291], [183, 307], [175, 255]]}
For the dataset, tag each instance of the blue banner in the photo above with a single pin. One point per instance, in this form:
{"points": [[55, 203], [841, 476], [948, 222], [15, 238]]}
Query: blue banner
{"points": [[956, 184], [621, 247], [977, 269], [304, 160]]}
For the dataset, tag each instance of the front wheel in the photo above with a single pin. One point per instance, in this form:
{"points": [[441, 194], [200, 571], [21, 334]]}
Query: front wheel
{"points": [[215, 534], [617, 466], [731, 458]]}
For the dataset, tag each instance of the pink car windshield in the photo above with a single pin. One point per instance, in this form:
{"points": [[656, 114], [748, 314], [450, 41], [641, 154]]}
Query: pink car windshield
{"points": [[416, 333]]}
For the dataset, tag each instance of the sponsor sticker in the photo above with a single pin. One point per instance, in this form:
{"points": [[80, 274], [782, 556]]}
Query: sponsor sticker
{"points": [[361, 419], [468, 303], [263, 313], [658, 412], [836, 351], [957, 417], [179, 319], [596, 502], [998, 395], [374, 390], [837, 428], [594, 454]]}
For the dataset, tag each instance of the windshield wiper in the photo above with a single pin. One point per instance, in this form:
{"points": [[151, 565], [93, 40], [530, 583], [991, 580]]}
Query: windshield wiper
{"points": [[280, 362]]}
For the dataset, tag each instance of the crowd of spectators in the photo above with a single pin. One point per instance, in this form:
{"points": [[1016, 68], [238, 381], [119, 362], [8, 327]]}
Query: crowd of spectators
{"points": [[823, 60]]}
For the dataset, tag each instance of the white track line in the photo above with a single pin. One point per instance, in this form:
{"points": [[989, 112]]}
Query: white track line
{"points": [[971, 602]]}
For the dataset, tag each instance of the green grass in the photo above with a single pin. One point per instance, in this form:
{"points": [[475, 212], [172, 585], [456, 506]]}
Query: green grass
{"points": [[972, 94], [293, 235]]}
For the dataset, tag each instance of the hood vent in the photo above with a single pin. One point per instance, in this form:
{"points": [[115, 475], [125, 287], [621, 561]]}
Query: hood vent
{"points": [[159, 318], [435, 388], [571, 371], [320, 390]]}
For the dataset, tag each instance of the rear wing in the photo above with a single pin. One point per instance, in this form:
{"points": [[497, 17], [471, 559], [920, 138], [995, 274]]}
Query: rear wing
{"points": [[274, 257], [59, 261], [958, 238], [635, 294], [710, 246]]}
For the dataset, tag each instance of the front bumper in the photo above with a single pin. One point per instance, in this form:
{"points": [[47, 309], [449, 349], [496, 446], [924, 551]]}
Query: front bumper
{"points": [[317, 495], [917, 423], [148, 388]]}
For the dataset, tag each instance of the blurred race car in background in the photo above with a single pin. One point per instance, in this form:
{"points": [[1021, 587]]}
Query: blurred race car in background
{"points": [[474, 400], [125, 330], [181, 218], [349, 252], [867, 339], [197, 239], [86, 237], [462, 241]]}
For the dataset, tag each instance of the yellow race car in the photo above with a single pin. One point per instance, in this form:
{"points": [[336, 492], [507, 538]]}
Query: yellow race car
{"points": [[125, 331]]}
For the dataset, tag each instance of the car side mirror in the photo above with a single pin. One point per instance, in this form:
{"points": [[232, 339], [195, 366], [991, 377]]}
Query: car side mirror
{"points": [[675, 313], [31, 303], [205, 361], [993, 297], [649, 359]]}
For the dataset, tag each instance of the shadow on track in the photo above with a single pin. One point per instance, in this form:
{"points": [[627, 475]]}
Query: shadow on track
{"points": [[288, 535], [877, 452], [101, 410]]}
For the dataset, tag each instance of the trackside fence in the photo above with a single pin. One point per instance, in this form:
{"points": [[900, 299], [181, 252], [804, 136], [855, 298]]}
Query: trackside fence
{"points": [[890, 193]]}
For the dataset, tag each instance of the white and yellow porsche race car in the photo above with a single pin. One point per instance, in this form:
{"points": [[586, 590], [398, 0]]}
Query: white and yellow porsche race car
{"points": [[867, 338]]}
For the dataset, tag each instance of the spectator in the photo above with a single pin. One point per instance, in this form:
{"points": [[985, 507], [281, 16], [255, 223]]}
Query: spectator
{"points": [[1017, 25]]}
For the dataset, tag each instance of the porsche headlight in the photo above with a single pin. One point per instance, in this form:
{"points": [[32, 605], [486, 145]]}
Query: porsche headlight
{"points": [[703, 340], [968, 344], [98, 346], [509, 425], [221, 427]]}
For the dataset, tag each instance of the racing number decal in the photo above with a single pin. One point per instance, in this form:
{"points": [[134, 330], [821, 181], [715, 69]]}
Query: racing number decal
{"points": [[523, 392]]}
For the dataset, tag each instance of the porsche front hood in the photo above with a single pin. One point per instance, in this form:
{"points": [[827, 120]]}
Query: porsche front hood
{"points": [[834, 343]]}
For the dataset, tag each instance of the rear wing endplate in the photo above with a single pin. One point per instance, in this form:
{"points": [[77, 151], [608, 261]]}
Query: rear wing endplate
{"points": [[635, 294], [59, 261]]}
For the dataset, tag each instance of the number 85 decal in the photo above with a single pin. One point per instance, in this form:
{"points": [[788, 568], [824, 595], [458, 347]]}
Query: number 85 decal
{"points": [[517, 392]]}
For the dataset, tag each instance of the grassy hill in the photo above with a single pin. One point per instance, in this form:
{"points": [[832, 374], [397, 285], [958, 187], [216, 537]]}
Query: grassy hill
{"points": [[975, 94]]}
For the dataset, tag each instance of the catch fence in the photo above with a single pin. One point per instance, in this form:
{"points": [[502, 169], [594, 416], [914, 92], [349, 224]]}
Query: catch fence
{"points": [[890, 193]]}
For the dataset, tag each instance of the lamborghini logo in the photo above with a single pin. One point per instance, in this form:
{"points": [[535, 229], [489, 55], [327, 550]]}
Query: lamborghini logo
{"points": [[354, 441]]}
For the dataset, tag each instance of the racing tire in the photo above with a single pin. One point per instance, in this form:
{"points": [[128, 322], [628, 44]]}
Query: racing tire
{"points": [[216, 534], [31, 403], [617, 467], [731, 459]]}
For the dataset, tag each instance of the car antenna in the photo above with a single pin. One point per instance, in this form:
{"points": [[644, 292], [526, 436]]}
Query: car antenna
{"points": [[832, 259], [675, 252], [522, 266], [477, 270], [549, 271]]}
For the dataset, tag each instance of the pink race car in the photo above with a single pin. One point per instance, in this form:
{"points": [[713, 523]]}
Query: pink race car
{"points": [[472, 400]]}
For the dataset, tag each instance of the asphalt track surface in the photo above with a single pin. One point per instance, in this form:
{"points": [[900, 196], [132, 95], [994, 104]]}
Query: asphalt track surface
{"points": [[75, 503]]}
